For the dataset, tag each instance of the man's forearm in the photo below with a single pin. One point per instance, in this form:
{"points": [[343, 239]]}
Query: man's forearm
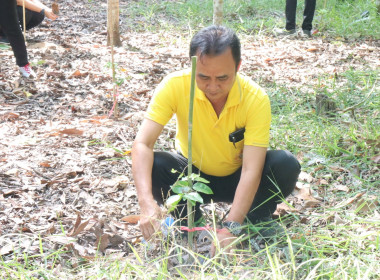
{"points": [[244, 195], [142, 157], [253, 164]]}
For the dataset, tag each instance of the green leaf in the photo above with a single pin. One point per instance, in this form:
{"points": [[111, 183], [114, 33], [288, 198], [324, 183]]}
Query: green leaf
{"points": [[172, 201], [181, 187], [175, 171], [203, 180], [198, 178], [200, 187], [193, 196]]}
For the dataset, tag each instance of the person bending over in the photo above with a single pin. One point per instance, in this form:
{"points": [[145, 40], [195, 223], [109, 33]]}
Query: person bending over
{"points": [[241, 171], [35, 13], [10, 26]]}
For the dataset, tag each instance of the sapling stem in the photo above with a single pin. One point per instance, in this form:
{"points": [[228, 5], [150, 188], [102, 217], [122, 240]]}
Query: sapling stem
{"points": [[190, 215]]}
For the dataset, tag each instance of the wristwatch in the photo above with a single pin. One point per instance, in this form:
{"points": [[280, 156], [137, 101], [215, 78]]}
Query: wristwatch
{"points": [[233, 227]]}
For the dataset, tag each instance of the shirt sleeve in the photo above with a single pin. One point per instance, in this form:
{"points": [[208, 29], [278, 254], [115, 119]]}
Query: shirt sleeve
{"points": [[163, 104], [258, 120]]}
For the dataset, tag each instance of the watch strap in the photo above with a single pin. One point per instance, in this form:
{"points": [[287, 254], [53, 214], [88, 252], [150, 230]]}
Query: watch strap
{"points": [[233, 227]]}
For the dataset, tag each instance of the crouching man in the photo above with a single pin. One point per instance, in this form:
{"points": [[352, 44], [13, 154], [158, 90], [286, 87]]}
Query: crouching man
{"points": [[231, 124]]}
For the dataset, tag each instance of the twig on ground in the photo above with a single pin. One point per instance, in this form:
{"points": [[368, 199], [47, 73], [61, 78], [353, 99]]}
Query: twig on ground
{"points": [[361, 102]]}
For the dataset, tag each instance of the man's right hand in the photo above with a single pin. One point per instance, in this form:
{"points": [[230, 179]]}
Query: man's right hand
{"points": [[142, 163], [151, 216]]}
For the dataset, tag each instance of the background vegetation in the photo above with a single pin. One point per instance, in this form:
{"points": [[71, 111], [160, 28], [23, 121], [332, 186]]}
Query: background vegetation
{"points": [[333, 17]]}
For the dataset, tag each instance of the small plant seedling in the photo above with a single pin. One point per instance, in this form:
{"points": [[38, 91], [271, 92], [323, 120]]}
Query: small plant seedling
{"points": [[184, 191]]}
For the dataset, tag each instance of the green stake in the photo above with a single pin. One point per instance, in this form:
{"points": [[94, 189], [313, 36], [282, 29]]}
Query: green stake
{"points": [[190, 216]]}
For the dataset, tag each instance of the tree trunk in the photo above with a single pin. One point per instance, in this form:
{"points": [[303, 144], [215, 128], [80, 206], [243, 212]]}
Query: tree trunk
{"points": [[113, 35], [218, 12]]}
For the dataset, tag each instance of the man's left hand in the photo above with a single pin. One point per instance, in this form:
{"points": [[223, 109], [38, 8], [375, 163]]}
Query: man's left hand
{"points": [[224, 238]]}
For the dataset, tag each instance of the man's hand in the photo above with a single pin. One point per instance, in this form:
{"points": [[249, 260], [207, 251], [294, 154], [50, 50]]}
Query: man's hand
{"points": [[150, 220], [224, 238]]}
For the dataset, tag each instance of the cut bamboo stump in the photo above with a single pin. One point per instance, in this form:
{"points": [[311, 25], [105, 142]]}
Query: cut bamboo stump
{"points": [[325, 106]]}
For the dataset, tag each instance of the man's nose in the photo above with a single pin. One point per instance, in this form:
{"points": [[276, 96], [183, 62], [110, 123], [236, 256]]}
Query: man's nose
{"points": [[212, 85]]}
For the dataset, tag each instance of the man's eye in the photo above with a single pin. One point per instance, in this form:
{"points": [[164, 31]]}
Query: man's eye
{"points": [[224, 78], [203, 78]]}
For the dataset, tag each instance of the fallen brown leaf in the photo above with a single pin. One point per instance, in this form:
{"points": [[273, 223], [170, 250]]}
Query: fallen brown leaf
{"points": [[72, 131], [76, 73], [55, 8], [312, 49], [102, 242], [76, 225], [45, 164], [5, 250], [305, 177], [343, 188], [376, 159], [131, 219], [303, 192], [84, 226], [367, 204], [9, 116], [350, 200]]}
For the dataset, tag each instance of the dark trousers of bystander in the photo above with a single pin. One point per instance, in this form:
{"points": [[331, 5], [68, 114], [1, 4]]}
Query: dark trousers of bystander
{"points": [[279, 177], [32, 19], [308, 14], [10, 26]]}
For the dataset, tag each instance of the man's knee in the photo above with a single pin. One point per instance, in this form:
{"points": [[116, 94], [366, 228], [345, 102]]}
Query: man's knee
{"points": [[165, 161], [163, 164], [162, 175], [284, 160], [285, 168]]}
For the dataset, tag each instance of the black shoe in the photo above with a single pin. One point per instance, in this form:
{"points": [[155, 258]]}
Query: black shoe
{"points": [[284, 32], [267, 230], [306, 33]]}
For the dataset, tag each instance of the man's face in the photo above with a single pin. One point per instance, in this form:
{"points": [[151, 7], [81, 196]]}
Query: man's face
{"points": [[215, 75]]}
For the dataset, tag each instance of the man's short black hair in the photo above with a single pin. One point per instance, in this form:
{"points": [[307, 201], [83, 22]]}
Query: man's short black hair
{"points": [[214, 40]]}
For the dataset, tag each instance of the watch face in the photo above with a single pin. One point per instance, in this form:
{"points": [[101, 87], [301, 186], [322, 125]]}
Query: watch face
{"points": [[233, 227]]}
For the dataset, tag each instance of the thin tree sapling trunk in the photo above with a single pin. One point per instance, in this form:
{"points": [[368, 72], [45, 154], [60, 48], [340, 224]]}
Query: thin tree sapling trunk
{"points": [[218, 12], [113, 34]]}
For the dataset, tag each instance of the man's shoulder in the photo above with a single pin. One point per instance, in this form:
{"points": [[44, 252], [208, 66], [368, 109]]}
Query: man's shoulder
{"points": [[179, 75], [250, 88], [247, 82]]}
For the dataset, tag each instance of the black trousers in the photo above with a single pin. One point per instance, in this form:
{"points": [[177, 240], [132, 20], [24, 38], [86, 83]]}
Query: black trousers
{"points": [[32, 19], [279, 177], [11, 28], [308, 14]]}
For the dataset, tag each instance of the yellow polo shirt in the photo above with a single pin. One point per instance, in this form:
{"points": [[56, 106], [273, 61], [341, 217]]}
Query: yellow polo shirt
{"points": [[247, 106]]}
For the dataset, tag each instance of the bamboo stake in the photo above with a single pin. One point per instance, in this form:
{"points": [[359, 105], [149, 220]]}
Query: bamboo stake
{"points": [[190, 215], [23, 19]]}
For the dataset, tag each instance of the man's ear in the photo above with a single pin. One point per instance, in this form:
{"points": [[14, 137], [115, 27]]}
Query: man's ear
{"points": [[238, 67]]}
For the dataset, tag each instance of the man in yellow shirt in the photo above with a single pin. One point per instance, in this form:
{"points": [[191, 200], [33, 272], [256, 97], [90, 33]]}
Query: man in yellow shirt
{"points": [[230, 139]]}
